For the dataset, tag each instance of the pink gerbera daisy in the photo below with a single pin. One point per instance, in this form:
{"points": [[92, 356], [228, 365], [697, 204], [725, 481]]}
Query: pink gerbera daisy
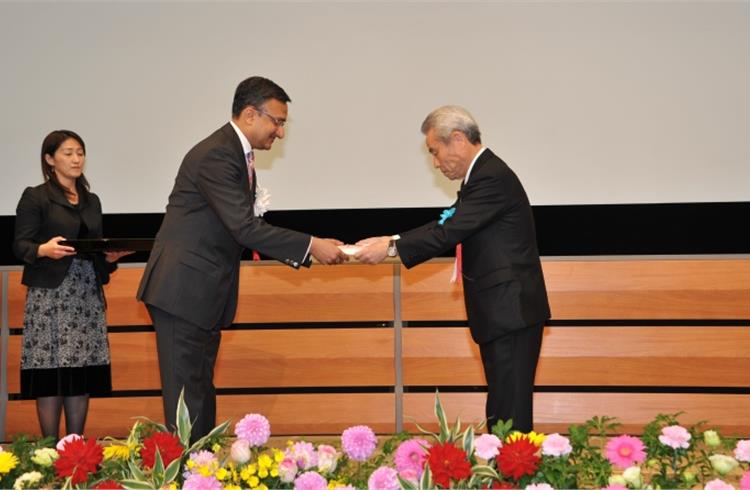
{"points": [[625, 451]]}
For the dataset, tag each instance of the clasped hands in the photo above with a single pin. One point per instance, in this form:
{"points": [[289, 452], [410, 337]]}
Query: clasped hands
{"points": [[368, 251]]}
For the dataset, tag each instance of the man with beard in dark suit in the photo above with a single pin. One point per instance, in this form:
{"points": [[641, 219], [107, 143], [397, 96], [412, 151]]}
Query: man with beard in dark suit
{"points": [[190, 284], [504, 291]]}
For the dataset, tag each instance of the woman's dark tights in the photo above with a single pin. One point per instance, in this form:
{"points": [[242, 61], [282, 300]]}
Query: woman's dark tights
{"points": [[49, 409]]}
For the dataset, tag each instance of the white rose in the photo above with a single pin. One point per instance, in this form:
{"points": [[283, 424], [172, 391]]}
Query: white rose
{"points": [[632, 475]]}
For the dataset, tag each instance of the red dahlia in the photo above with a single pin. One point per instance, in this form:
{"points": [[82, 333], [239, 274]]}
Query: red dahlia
{"points": [[108, 485], [78, 458], [518, 458], [447, 462], [167, 444]]}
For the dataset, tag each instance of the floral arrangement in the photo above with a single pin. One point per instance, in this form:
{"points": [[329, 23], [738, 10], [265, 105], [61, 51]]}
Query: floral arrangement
{"points": [[666, 455]]}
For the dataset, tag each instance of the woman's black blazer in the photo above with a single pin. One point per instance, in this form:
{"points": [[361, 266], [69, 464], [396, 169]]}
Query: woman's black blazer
{"points": [[43, 213]]}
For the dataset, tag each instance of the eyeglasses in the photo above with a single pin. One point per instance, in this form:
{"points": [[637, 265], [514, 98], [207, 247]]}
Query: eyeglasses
{"points": [[279, 123]]}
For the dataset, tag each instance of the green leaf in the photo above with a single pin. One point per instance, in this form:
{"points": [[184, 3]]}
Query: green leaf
{"points": [[468, 441], [184, 426], [425, 431], [136, 472], [406, 484], [157, 474], [136, 485], [485, 471], [442, 420], [216, 431], [425, 483], [172, 471]]}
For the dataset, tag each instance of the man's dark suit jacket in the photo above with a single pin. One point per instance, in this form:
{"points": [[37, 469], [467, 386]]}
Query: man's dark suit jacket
{"points": [[193, 270], [502, 275], [44, 213]]}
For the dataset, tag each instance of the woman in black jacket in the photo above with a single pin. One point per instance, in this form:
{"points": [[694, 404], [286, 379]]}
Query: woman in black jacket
{"points": [[65, 355]]}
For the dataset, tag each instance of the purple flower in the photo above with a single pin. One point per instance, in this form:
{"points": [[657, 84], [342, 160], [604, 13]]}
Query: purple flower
{"points": [[675, 437], [625, 451], [310, 481], [718, 484], [487, 446], [384, 478], [303, 454], [556, 445], [254, 428], [200, 482], [410, 458], [359, 442]]}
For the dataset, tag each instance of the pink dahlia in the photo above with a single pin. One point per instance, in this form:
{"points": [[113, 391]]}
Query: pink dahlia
{"points": [[199, 482], [625, 451], [742, 451], [410, 458], [384, 478], [556, 445], [718, 484], [539, 486], [310, 481], [614, 486], [745, 481], [359, 442], [254, 428], [675, 437], [69, 438]]}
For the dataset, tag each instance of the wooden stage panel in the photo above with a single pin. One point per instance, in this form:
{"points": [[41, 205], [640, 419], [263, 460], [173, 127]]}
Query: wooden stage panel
{"points": [[555, 412], [16, 299], [603, 289], [341, 293], [592, 356], [297, 358], [309, 414]]}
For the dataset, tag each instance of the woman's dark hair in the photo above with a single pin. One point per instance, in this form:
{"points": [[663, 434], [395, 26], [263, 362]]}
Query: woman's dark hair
{"points": [[49, 146]]}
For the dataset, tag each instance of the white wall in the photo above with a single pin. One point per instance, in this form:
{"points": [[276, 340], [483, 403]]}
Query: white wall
{"points": [[590, 102]]}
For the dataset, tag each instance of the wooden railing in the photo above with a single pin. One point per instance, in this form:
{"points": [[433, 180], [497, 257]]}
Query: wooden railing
{"points": [[319, 350]]}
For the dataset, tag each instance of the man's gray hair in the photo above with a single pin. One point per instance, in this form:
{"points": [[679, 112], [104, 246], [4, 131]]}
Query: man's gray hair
{"points": [[444, 120]]}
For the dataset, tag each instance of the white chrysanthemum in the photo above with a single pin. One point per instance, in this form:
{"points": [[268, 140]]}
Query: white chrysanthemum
{"points": [[262, 201]]}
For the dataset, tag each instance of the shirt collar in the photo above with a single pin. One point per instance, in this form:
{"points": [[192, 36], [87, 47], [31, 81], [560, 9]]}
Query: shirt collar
{"points": [[468, 172], [246, 148]]}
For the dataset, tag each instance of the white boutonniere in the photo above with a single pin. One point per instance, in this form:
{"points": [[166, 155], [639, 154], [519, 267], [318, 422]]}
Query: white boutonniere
{"points": [[262, 201]]}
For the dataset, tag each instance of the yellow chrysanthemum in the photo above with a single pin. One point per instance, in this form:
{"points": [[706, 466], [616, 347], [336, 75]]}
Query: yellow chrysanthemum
{"points": [[533, 437], [222, 474], [216, 447], [232, 487], [253, 481], [278, 456], [116, 451], [262, 487], [336, 483], [264, 461], [263, 472], [173, 486], [205, 470], [190, 464], [8, 461], [275, 471]]}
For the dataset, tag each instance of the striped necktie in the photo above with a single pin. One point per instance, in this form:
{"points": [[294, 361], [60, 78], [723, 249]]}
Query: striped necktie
{"points": [[250, 167]]}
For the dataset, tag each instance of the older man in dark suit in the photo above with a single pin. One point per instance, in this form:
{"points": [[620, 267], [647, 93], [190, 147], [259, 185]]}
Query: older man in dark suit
{"points": [[190, 284], [504, 291]]}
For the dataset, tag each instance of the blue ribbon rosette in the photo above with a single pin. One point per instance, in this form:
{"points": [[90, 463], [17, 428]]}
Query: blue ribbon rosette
{"points": [[445, 215]]}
